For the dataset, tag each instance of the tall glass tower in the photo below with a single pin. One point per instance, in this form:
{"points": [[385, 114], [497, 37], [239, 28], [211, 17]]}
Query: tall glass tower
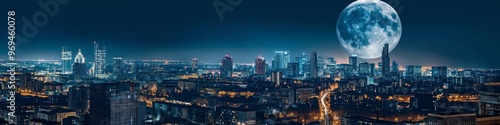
{"points": [[303, 64], [281, 60], [100, 60], [66, 63], [386, 61], [314, 65], [118, 65]]}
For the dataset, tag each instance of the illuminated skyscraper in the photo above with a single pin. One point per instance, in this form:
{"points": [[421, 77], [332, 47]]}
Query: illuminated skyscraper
{"points": [[79, 57], [286, 58], [79, 67], [413, 70], [281, 60], [194, 65], [322, 61], [260, 66], [99, 60], [386, 61], [364, 69], [353, 61], [303, 61], [226, 69], [395, 66], [314, 65], [66, 63], [118, 65]]}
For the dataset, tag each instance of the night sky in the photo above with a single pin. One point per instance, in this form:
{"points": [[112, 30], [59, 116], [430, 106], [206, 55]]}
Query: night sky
{"points": [[435, 32]]}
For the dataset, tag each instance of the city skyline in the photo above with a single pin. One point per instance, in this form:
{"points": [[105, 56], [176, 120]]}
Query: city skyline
{"points": [[259, 28], [250, 62], [294, 59]]}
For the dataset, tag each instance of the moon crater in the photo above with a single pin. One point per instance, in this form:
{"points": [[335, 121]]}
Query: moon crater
{"points": [[364, 26]]}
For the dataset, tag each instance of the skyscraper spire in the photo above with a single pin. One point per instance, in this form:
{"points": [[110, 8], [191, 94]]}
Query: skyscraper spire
{"points": [[385, 61], [79, 67], [79, 57]]}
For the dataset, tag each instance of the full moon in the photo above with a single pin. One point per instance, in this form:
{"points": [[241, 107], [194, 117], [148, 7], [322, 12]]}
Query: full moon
{"points": [[364, 26]]}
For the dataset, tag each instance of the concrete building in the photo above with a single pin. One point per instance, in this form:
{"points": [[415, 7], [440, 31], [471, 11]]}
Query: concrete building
{"points": [[451, 118], [116, 104]]}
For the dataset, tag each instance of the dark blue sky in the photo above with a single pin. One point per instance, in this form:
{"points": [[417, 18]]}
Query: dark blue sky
{"points": [[444, 32]]}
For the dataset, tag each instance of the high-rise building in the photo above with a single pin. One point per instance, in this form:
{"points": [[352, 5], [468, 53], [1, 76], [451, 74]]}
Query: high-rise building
{"points": [[413, 70], [281, 59], [194, 65], [489, 102], [260, 66], [372, 69], [286, 58], [322, 61], [353, 61], [276, 77], [66, 63], [364, 69], [116, 104], [99, 60], [386, 61], [226, 69], [277, 60], [314, 65], [395, 66], [79, 57], [303, 61], [79, 67], [440, 71], [331, 65], [78, 99], [118, 65], [293, 69]]}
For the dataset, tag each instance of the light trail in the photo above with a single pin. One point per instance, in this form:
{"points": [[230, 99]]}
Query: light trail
{"points": [[326, 113], [325, 108]]}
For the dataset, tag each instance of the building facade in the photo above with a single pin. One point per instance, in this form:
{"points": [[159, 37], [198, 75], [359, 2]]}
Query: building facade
{"points": [[386, 61], [66, 62], [226, 69], [99, 60], [314, 65], [115, 104], [260, 66]]}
